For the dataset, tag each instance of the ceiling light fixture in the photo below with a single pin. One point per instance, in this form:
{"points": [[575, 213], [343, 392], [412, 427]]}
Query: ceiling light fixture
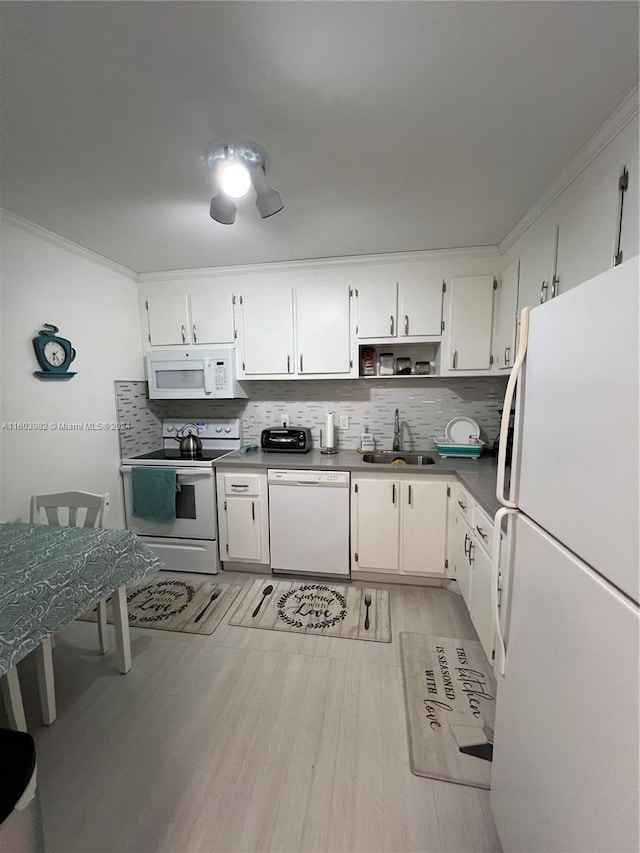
{"points": [[238, 164]]}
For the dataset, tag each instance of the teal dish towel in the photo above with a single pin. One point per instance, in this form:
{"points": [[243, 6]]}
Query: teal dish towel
{"points": [[154, 494]]}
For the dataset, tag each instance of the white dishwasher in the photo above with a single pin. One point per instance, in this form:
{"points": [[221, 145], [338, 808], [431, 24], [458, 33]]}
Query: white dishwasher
{"points": [[309, 522]]}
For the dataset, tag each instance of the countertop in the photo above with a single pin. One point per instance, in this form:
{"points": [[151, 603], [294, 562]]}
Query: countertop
{"points": [[478, 476]]}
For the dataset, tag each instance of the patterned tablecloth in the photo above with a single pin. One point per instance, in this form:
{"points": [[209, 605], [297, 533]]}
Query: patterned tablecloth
{"points": [[50, 575]]}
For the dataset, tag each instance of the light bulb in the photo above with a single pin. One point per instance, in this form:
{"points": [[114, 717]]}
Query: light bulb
{"points": [[234, 180]]}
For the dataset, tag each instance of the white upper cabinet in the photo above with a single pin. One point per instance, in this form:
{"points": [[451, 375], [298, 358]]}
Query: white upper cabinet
{"points": [[470, 322], [323, 329], [420, 306], [378, 309], [266, 321], [168, 316], [212, 314], [507, 317], [400, 309], [538, 268]]}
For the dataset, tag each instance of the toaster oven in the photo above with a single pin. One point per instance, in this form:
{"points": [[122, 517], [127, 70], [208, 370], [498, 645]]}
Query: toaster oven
{"points": [[286, 440]]}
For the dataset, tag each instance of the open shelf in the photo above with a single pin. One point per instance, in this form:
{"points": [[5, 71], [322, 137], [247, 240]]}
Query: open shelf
{"points": [[429, 352]]}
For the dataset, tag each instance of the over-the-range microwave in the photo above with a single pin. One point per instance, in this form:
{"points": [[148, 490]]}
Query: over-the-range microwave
{"points": [[192, 373]]}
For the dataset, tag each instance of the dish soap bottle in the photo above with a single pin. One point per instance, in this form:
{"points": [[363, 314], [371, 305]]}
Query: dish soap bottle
{"points": [[367, 441]]}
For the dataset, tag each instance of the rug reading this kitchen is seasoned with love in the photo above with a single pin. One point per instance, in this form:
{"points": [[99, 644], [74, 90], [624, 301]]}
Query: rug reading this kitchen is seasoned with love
{"points": [[449, 694], [316, 608]]}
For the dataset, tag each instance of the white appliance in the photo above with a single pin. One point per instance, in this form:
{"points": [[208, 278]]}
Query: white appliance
{"points": [[192, 373], [188, 544], [309, 522], [565, 760]]}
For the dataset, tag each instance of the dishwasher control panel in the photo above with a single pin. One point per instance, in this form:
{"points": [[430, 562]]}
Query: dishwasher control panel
{"points": [[305, 477]]}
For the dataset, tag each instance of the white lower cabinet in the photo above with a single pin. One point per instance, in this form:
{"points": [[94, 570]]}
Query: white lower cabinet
{"points": [[375, 531], [398, 525], [469, 549], [480, 596], [459, 548], [243, 515]]}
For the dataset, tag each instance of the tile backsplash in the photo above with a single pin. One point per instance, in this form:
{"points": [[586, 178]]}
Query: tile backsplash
{"points": [[425, 408]]}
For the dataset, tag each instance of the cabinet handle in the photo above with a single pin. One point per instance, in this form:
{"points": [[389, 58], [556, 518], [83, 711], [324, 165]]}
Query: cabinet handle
{"points": [[507, 355], [301, 369], [184, 334], [467, 538], [239, 487], [470, 555], [462, 506], [393, 492], [195, 336], [454, 364], [554, 286], [484, 535], [253, 510], [543, 291], [406, 324], [288, 364], [391, 324], [409, 495]]}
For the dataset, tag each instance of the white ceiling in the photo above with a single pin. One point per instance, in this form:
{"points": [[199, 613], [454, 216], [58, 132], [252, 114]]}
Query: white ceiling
{"points": [[391, 126]]}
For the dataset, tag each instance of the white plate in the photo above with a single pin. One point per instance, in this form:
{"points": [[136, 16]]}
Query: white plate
{"points": [[461, 431]]}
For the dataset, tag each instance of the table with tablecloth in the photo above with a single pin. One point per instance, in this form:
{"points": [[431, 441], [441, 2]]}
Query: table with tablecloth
{"points": [[51, 575]]}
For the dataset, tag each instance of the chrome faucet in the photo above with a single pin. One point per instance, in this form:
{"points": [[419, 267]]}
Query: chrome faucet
{"points": [[396, 432]]}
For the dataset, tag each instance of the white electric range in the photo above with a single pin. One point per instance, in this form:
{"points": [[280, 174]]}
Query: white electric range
{"points": [[188, 544]]}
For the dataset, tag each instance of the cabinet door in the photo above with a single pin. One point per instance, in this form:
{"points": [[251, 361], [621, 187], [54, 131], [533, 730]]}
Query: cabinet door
{"points": [[323, 329], [537, 269], [462, 537], [267, 330], [168, 319], [244, 541], [377, 505], [378, 309], [421, 307], [505, 339], [480, 598], [212, 315], [423, 527], [471, 314]]}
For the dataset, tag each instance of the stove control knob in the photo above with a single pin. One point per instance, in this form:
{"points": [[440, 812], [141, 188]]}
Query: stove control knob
{"points": [[170, 428], [227, 429], [218, 428]]}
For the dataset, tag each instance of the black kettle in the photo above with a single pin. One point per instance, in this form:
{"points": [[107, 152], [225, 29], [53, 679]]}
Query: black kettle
{"points": [[190, 444]]}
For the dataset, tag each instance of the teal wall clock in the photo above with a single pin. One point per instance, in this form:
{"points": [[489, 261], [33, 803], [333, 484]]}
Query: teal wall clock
{"points": [[54, 354]]}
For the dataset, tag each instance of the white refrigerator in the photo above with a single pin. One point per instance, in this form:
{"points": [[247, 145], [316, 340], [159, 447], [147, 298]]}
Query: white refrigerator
{"points": [[565, 760]]}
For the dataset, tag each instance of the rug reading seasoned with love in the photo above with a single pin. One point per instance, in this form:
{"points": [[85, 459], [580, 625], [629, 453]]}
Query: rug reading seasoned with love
{"points": [[316, 608], [449, 693], [191, 607]]}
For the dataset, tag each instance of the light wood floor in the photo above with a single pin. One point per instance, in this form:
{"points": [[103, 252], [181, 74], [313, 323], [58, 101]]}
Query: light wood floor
{"points": [[246, 740]]}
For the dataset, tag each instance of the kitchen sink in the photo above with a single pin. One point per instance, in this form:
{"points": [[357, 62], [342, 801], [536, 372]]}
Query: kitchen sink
{"points": [[389, 457]]}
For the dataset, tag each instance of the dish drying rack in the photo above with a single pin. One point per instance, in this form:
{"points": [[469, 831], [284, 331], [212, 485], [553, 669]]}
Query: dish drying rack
{"points": [[469, 451]]}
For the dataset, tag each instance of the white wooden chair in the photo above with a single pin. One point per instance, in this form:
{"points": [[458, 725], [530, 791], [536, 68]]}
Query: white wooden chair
{"points": [[60, 509]]}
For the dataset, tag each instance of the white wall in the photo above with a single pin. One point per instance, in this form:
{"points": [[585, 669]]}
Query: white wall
{"points": [[44, 279]]}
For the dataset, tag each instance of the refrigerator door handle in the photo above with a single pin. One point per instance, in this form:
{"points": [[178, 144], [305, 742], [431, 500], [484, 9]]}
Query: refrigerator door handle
{"points": [[501, 652], [506, 411]]}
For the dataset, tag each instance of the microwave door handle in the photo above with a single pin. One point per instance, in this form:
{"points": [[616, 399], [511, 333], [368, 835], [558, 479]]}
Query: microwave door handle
{"points": [[208, 376]]}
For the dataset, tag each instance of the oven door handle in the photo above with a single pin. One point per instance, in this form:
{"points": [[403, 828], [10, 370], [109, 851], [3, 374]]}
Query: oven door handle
{"points": [[181, 472]]}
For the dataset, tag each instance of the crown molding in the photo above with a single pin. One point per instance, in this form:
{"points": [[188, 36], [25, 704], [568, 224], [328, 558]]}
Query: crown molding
{"points": [[326, 263], [64, 243], [617, 121]]}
